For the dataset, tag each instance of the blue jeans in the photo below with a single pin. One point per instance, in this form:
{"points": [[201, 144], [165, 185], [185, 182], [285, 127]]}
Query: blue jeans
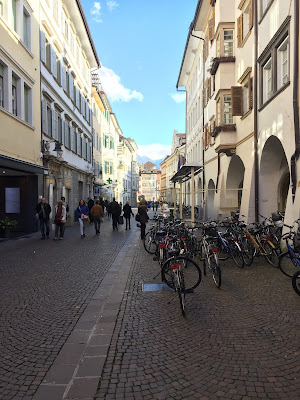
{"points": [[44, 223]]}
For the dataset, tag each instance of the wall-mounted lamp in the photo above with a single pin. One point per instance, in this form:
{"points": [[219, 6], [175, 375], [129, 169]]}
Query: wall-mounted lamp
{"points": [[58, 149]]}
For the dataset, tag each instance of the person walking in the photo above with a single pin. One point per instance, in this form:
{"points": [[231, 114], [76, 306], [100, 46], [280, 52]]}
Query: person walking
{"points": [[97, 214], [43, 210], [127, 214], [156, 205], [115, 211], [83, 214], [90, 205], [60, 220], [63, 199], [153, 204], [142, 210]]}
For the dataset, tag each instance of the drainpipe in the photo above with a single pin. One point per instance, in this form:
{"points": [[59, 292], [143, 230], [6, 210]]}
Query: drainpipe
{"points": [[255, 101], [295, 156]]}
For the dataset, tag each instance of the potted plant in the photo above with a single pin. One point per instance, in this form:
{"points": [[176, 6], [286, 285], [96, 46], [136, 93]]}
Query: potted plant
{"points": [[6, 224]]}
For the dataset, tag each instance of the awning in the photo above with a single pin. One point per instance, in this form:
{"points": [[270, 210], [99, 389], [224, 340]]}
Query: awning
{"points": [[19, 165], [184, 173]]}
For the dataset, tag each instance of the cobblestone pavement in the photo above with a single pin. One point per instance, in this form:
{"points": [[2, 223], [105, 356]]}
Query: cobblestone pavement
{"points": [[44, 289], [238, 342]]}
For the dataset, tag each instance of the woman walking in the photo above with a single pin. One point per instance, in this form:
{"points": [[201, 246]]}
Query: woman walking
{"points": [[127, 214], [142, 210], [83, 215], [60, 220]]}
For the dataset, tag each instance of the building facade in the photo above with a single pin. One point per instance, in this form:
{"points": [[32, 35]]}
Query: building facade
{"points": [[67, 56], [21, 166], [237, 69], [148, 181]]}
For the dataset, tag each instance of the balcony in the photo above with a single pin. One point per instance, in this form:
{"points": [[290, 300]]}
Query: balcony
{"points": [[220, 60], [225, 139]]}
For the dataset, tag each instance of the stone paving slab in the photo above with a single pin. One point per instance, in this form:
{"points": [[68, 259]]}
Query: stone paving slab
{"points": [[86, 349]]}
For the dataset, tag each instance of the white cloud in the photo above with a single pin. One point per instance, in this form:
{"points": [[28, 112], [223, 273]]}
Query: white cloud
{"points": [[178, 97], [154, 151], [96, 12], [112, 5], [114, 89]]}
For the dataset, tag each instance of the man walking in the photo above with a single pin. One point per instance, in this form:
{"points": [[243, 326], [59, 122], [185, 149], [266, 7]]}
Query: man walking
{"points": [[115, 211], [90, 205], [43, 210], [127, 214], [97, 214]]}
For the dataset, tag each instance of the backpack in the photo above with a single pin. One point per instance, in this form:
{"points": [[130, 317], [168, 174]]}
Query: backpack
{"points": [[58, 216]]}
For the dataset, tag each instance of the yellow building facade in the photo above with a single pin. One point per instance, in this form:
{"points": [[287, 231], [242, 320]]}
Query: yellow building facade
{"points": [[21, 166]]}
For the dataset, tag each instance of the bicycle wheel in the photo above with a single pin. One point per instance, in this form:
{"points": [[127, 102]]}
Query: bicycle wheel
{"points": [[247, 251], [237, 254], [288, 264], [190, 270], [213, 264], [181, 291], [223, 253], [271, 254], [296, 282], [149, 243]]}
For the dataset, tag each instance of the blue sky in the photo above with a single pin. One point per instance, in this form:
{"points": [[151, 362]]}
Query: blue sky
{"points": [[140, 44]]}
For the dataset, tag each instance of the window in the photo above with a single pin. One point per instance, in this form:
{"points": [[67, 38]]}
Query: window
{"points": [[1, 86], [27, 103], [14, 16], [228, 43], [48, 55], [55, 9], [227, 110], [14, 98], [274, 65], [1, 8], [246, 22], [267, 80], [26, 28], [46, 118], [264, 4], [219, 111], [283, 63]]}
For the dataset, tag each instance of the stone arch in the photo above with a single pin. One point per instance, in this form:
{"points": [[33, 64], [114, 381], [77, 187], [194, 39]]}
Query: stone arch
{"points": [[274, 177], [235, 183], [211, 211]]}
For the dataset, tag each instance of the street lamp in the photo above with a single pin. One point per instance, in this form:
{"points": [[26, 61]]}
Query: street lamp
{"points": [[58, 149]]}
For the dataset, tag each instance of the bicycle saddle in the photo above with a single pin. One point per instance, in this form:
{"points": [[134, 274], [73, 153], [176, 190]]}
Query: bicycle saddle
{"points": [[174, 252]]}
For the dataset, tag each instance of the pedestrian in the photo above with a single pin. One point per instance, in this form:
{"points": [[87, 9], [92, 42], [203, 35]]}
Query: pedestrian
{"points": [[60, 220], [153, 204], [43, 210], [90, 204], [156, 205], [108, 210], [63, 199], [142, 210], [97, 214], [115, 211], [83, 214], [127, 214]]}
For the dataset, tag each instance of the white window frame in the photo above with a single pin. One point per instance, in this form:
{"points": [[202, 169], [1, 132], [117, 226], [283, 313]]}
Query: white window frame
{"points": [[227, 41], [267, 80], [282, 62]]}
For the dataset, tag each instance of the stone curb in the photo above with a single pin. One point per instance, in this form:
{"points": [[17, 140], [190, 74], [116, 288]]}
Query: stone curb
{"points": [[76, 371]]}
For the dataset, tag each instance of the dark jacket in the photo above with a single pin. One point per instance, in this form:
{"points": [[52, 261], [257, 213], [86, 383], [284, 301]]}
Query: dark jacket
{"points": [[90, 204], [127, 211], [82, 210], [40, 212], [142, 210], [115, 208]]}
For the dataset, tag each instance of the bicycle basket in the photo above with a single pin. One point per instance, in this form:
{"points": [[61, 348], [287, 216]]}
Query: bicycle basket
{"points": [[211, 231], [276, 217]]}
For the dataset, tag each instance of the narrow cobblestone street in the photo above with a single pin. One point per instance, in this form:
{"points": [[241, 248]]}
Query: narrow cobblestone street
{"points": [[238, 342]]}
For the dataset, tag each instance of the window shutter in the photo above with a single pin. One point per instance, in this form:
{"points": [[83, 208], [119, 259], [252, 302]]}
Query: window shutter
{"points": [[71, 86], [55, 125], [211, 25], [237, 100], [43, 46], [63, 77], [53, 62], [72, 139], [63, 139], [250, 93], [240, 30], [209, 87], [214, 83], [44, 117], [77, 98], [66, 135], [79, 144], [250, 14]]}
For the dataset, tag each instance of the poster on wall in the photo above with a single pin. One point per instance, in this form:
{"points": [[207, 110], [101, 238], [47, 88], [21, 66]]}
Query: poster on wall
{"points": [[12, 200]]}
